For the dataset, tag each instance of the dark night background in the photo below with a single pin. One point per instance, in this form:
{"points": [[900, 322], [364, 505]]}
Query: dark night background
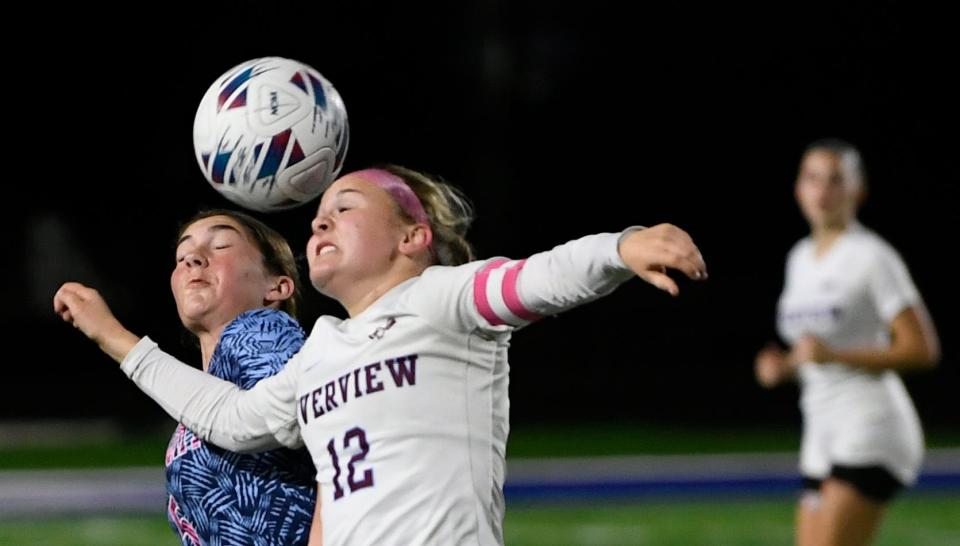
{"points": [[558, 120]]}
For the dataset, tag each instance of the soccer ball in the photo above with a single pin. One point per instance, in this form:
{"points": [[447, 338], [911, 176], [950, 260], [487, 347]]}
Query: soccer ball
{"points": [[271, 134]]}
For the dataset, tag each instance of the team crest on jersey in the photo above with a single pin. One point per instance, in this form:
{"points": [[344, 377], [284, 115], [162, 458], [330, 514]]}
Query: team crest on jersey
{"points": [[381, 330]]}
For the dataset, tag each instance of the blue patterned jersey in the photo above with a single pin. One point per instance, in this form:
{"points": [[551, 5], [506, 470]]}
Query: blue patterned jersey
{"points": [[218, 497]]}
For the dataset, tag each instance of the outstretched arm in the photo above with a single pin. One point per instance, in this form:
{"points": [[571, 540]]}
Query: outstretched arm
{"points": [[515, 292], [216, 410]]}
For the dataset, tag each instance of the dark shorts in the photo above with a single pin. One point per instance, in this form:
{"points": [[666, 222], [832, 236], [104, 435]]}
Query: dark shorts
{"points": [[873, 482]]}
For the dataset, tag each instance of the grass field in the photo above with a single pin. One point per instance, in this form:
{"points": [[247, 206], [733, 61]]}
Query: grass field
{"points": [[916, 520]]}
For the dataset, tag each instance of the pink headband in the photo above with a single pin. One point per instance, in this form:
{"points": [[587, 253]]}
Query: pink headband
{"points": [[399, 190]]}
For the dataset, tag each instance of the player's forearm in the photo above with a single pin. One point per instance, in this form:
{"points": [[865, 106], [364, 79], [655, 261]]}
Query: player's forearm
{"points": [[118, 342], [572, 274], [216, 410], [788, 372], [903, 358]]}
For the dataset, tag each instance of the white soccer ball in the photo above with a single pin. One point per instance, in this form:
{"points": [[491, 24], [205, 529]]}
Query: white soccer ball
{"points": [[271, 134]]}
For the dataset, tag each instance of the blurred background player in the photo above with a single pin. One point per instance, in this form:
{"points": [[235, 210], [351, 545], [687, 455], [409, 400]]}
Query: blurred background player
{"points": [[853, 318]]}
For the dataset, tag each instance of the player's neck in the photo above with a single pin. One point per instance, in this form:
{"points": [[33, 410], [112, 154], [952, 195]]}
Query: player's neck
{"points": [[208, 343], [362, 297], [825, 236]]}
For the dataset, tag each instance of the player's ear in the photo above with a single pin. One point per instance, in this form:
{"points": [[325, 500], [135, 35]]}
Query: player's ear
{"points": [[279, 288], [417, 238]]}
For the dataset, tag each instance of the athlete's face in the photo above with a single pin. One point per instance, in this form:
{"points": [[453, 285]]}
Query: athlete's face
{"points": [[219, 274], [827, 189], [355, 237]]}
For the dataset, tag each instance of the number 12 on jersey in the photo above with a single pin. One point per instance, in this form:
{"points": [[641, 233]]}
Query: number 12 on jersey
{"points": [[357, 436]]}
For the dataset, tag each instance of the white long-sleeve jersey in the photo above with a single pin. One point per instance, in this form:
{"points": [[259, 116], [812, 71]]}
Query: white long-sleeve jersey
{"points": [[404, 407]]}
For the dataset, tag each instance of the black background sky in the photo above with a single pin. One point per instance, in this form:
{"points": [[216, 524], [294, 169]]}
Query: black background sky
{"points": [[557, 120]]}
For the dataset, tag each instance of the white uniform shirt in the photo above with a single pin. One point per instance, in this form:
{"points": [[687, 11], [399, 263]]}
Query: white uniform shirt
{"points": [[404, 407], [847, 298]]}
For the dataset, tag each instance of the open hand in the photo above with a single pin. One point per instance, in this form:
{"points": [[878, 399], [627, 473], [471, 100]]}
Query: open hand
{"points": [[650, 252]]}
